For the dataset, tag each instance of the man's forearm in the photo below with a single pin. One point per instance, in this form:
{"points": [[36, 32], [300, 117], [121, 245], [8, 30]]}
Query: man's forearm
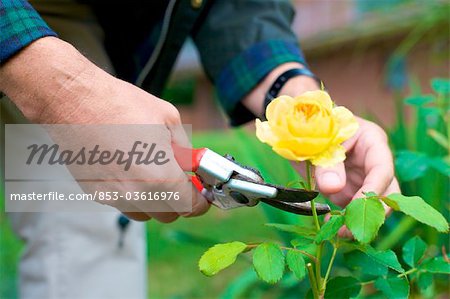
{"points": [[294, 86], [46, 78]]}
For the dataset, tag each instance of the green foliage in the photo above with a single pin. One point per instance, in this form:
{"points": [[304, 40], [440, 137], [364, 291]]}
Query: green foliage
{"points": [[411, 165], [417, 208], [291, 228], [393, 287], [440, 165], [441, 86], [364, 217], [387, 258], [268, 260], [421, 149], [425, 282], [436, 265], [296, 263], [219, 257], [413, 251], [240, 284], [360, 261], [342, 287], [330, 228], [419, 100], [376, 261]]}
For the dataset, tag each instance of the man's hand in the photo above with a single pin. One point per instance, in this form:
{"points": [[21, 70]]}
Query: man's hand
{"points": [[52, 83], [368, 167], [369, 164]]}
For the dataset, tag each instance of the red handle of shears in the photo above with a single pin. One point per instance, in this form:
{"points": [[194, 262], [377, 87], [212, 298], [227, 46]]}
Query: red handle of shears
{"points": [[189, 160]]}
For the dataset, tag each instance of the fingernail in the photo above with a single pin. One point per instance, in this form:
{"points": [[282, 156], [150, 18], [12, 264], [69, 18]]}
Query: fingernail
{"points": [[331, 178]]}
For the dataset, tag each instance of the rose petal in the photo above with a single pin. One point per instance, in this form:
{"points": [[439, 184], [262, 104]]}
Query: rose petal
{"points": [[288, 154], [279, 107], [264, 132], [346, 124], [319, 125], [320, 96], [330, 157], [304, 147], [307, 127]]}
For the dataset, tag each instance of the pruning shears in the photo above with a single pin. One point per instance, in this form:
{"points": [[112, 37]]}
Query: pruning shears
{"points": [[228, 184]]}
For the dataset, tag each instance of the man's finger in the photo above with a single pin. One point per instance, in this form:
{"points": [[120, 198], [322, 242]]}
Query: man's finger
{"points": [[165, 217], [138, 216], [394, 187], [331, 180], [379, 168], [179, 135], [199, 205]]}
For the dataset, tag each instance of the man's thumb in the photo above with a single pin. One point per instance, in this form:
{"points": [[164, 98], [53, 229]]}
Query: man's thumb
{"points": [[331, 180]]}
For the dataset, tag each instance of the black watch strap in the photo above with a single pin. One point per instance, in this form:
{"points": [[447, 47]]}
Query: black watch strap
{"points": [[282, 79]]}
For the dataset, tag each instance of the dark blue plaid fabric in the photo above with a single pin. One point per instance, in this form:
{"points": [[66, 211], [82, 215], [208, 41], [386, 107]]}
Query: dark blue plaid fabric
{"points": [[20, 25], [246, 70]]}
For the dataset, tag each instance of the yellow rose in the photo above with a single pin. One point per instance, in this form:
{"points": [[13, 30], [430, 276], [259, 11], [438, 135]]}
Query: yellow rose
{"points": [[307, 127]]}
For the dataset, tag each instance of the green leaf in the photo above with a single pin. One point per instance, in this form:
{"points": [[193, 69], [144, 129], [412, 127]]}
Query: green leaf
{"points": [[410, 165], [425, 281], [330, 229], [296, 229], [268, 260], [436, 265], [370, 194], [296, 263], [359, 260], [417, 208], [393, 287], [342, 287], [413, 250], [439, 138], [301, 242], [363, 217], [419, 100], [440, 85], [387, 258], [440, 165], [219, 257], [336, 212]]}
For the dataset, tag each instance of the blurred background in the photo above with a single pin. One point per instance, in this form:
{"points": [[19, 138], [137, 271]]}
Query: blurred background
{"points": [[364, 50], [385, 60]]}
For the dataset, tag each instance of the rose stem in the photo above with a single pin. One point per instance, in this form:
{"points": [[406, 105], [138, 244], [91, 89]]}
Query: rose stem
{"points": [[310, 186], [312, 281]]}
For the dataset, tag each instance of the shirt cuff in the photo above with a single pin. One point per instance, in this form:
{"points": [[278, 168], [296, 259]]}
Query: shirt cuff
{"points": [[20, 25], [249, 68]]}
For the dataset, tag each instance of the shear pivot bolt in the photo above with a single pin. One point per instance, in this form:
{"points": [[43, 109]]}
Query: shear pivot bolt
{"points": [[240, 198]]}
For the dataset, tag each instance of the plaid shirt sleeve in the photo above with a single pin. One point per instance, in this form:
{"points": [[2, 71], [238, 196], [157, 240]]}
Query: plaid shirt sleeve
{"points": [[247, 69], [20, 25], [240, 42]]}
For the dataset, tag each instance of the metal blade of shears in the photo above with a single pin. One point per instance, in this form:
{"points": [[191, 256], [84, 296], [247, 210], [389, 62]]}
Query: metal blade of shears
{"points": [[300, 208]]}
